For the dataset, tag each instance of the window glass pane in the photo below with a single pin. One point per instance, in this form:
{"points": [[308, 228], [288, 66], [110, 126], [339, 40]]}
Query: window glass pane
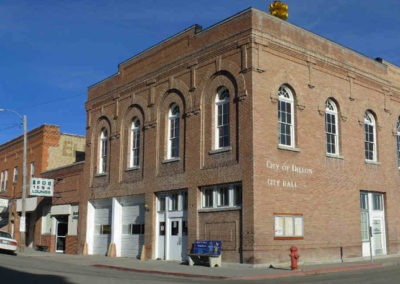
{"points": [[278, 226], [162, 229], [364, 226], [377, 202], [289, 226], [174, 228], [364, 201], [223, 196], [208, 198], [174, 199], [161, 203], [137, 229], [298, 226]]}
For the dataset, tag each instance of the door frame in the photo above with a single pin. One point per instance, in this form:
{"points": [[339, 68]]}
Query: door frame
{"points": [[58, 222]]}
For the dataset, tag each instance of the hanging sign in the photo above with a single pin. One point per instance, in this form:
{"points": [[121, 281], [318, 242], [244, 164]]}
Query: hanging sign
{"points": [[42, 187]]}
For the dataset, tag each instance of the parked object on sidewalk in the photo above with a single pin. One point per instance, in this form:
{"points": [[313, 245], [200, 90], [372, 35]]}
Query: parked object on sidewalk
{"points": [[7, 243], [293, 257], [206, 252]]}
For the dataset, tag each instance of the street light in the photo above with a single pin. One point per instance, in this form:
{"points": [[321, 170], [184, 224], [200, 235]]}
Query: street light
{"points": [[22, 222]]}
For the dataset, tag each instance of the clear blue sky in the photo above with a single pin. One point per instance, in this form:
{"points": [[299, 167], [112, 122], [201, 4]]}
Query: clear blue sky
{"points": [[51, 51]]}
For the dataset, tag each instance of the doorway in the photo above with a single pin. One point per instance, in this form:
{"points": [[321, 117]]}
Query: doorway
{"points": [[61, 233], [373, 229], [172, 226]]}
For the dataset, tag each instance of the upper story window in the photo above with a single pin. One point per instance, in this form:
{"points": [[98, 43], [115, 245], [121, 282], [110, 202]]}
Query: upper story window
{"points": [[103, 151], [222, 136], [221, 196], [398, 141], [286, 116], [370, 137], [15, 175], [331, 128], [4, 181], [135, 144], [173, 132], [32, 169]]}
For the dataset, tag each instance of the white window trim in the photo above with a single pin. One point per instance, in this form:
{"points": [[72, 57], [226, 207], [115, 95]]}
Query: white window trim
{"points": [[5, 180], [289, 100], [218, 128], [296, 226], [173, 118], [334, 113], [103, 149], [369, 119], [134, 157], [216, 199], [32, 172], [15, 175], [2, 181]]}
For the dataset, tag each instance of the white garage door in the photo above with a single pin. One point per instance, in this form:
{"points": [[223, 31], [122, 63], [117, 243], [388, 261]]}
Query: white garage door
{"points": [[102, 230], [132, 238]]}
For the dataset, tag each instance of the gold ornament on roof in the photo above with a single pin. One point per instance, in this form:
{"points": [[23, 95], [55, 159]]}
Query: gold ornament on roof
{"points": [[279, 9]]}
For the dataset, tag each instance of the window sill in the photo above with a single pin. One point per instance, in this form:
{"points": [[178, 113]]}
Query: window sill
{"points": [[220, 150], [334, 156], [171, 160], [369, 162], [219, 209], [132, 169], [288, 148], [100, 175], [288, 238]]}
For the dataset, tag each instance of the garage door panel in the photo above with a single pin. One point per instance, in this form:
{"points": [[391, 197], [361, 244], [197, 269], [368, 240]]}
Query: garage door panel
{"points": [[132, 238], [102, 234]]}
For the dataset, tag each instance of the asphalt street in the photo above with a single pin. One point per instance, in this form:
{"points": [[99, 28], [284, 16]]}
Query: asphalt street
{"points": [[53, 268]]}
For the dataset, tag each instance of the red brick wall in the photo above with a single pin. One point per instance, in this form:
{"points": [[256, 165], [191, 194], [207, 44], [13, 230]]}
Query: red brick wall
{"points": [[252, 54], [71, 244]]}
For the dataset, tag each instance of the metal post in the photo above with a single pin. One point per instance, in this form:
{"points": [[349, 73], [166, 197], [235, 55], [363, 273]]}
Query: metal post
{"points": [[23, 211], [22, 222]]}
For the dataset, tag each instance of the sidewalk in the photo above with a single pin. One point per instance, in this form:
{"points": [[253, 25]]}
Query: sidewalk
{"points": [[233, 271]]}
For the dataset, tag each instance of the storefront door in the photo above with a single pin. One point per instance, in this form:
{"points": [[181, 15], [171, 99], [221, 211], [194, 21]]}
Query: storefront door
{"points": [[175, 239], [61, 233]]}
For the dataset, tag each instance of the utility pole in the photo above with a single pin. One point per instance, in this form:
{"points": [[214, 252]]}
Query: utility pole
{"points": [[22, 222]]}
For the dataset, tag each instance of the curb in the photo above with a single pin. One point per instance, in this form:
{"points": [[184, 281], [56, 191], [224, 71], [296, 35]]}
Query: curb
{"points": [[160, 272], [309, 272], [253, 277]]}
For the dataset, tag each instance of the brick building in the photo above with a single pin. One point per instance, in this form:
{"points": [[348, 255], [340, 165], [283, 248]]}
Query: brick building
{"points": [[47, 149], [254, 132]]}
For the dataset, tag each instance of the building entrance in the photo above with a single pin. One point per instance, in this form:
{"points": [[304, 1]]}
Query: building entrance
{"points": [[61, 233], [172, 226], [373, 229]]}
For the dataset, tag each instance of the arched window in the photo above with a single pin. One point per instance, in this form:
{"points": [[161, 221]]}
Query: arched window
{"points": [[103, 151], [222, 136], [370, 137], [173, 132], [286, 116], [331, 128], [135, 144], [398, 141]]}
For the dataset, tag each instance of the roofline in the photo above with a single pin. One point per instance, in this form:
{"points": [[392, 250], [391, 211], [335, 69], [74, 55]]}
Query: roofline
{"points": [[63, 167], [199, 30]]}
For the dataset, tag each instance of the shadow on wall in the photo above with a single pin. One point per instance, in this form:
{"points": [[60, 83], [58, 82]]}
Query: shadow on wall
{"points": [[13, 276]]}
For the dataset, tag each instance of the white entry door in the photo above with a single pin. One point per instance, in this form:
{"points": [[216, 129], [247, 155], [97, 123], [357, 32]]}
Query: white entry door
{"points": [[175, 239], [377, 237]]}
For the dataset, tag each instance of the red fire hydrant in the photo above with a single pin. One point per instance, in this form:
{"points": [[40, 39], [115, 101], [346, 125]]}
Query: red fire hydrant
{"points": [[293, 257]]}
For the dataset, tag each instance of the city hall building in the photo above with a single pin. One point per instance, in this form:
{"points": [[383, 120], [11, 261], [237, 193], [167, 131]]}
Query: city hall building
{"points": [[254, 132]]}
